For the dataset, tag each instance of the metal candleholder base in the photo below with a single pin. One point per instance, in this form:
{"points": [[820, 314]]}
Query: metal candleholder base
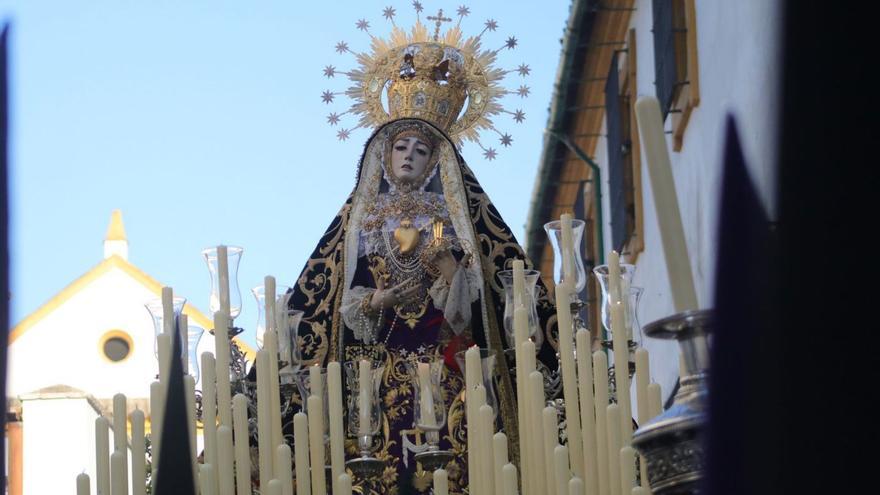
{"points": [[432, 460], [365, 466], [671, 443]]}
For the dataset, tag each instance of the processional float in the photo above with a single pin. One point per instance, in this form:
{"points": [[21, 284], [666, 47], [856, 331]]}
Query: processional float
{"points": [[574, 423]]}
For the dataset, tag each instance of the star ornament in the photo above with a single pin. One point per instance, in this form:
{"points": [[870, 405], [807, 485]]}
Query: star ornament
{"points": [[523, 70], [343, 134], [329, 71], [341, 47], [388, 13], [327, 96], [490, 154], [523, 91], [511, 42], [363, 25], [506, 140], [519, 116], [418, 7], [333, 118], [491, 24], [463, 11]]}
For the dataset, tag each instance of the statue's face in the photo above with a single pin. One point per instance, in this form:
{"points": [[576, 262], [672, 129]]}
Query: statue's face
{"points": [[409, 158]]}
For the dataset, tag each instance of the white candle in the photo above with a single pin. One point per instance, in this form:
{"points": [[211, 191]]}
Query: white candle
{"points": [[510, 482], [270, 343], [475, 399], [568, 264], [183, 322], [600, 380], [82, 484], [499, 454], [207, 480], [274, 487], [550, 426], [223, 279], [343, 483], [532, 447], [562, 471], [102, 455], [209, 408], [189, 387], [365, 384], [301, 453], [614, 285], [642, 382], [167, 310], [521, 334], [120, 433], [575, 486], [535, 400], [426, 403], [588, 416], [569, 378], [337, 431], [157, 408], [118, 485], [225, 464], [264, 422], [221, 352], [655, 402], [283, 469], [487, 461], [316, 444], [627, 469], [138, 454], [441, 482], [519, 283], [614, 448], [163, 343], [678, 266], [621, 365], [242, 445], [269, 301]]}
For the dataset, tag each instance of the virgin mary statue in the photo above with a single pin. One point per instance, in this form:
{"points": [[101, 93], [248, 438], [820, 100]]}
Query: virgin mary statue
{"points": [[409, 266]]}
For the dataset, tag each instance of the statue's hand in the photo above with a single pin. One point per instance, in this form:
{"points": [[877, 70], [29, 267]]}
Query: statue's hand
{"points": [[386, 298], [446, 263]]}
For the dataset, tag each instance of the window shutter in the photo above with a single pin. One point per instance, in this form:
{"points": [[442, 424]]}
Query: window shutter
{"points": [[616, 158], [665, 70]]}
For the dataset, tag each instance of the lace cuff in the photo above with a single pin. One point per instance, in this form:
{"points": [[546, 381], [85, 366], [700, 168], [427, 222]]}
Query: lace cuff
{"points": [[455, 299], [363, 324]]}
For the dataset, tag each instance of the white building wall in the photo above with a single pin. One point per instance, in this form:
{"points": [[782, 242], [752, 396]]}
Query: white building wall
{"points": [[64, 347], [739, 72], [58, 437]]}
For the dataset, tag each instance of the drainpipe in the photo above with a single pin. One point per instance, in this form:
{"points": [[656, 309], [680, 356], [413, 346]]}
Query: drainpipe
{"points": [[597, 177]]}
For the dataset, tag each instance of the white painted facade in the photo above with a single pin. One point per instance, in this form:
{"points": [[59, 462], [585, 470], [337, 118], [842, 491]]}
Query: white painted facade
{"points": [[738, 74], [59, 348]]}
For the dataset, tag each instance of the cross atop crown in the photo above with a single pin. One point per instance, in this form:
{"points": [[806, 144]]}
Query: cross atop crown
{"points": [[440, 19]]}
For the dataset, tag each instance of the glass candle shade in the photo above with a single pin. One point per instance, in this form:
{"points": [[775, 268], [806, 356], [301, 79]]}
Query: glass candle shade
{"points": [[194, 336], [259, 293], [303, 381], [369, 406], [554, 233], [429, 409], [531, 280], [626, 275], [233, 255], [487, 369], [154, 307]]}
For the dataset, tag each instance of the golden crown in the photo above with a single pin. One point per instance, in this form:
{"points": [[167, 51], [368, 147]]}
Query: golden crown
{"points": [[445, 79]]}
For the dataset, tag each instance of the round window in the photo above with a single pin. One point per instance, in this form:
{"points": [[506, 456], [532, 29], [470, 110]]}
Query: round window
{"points": [[116, 346]]}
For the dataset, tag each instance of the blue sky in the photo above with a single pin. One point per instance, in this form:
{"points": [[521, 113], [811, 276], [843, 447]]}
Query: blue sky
{"points": [[202, 121]]}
